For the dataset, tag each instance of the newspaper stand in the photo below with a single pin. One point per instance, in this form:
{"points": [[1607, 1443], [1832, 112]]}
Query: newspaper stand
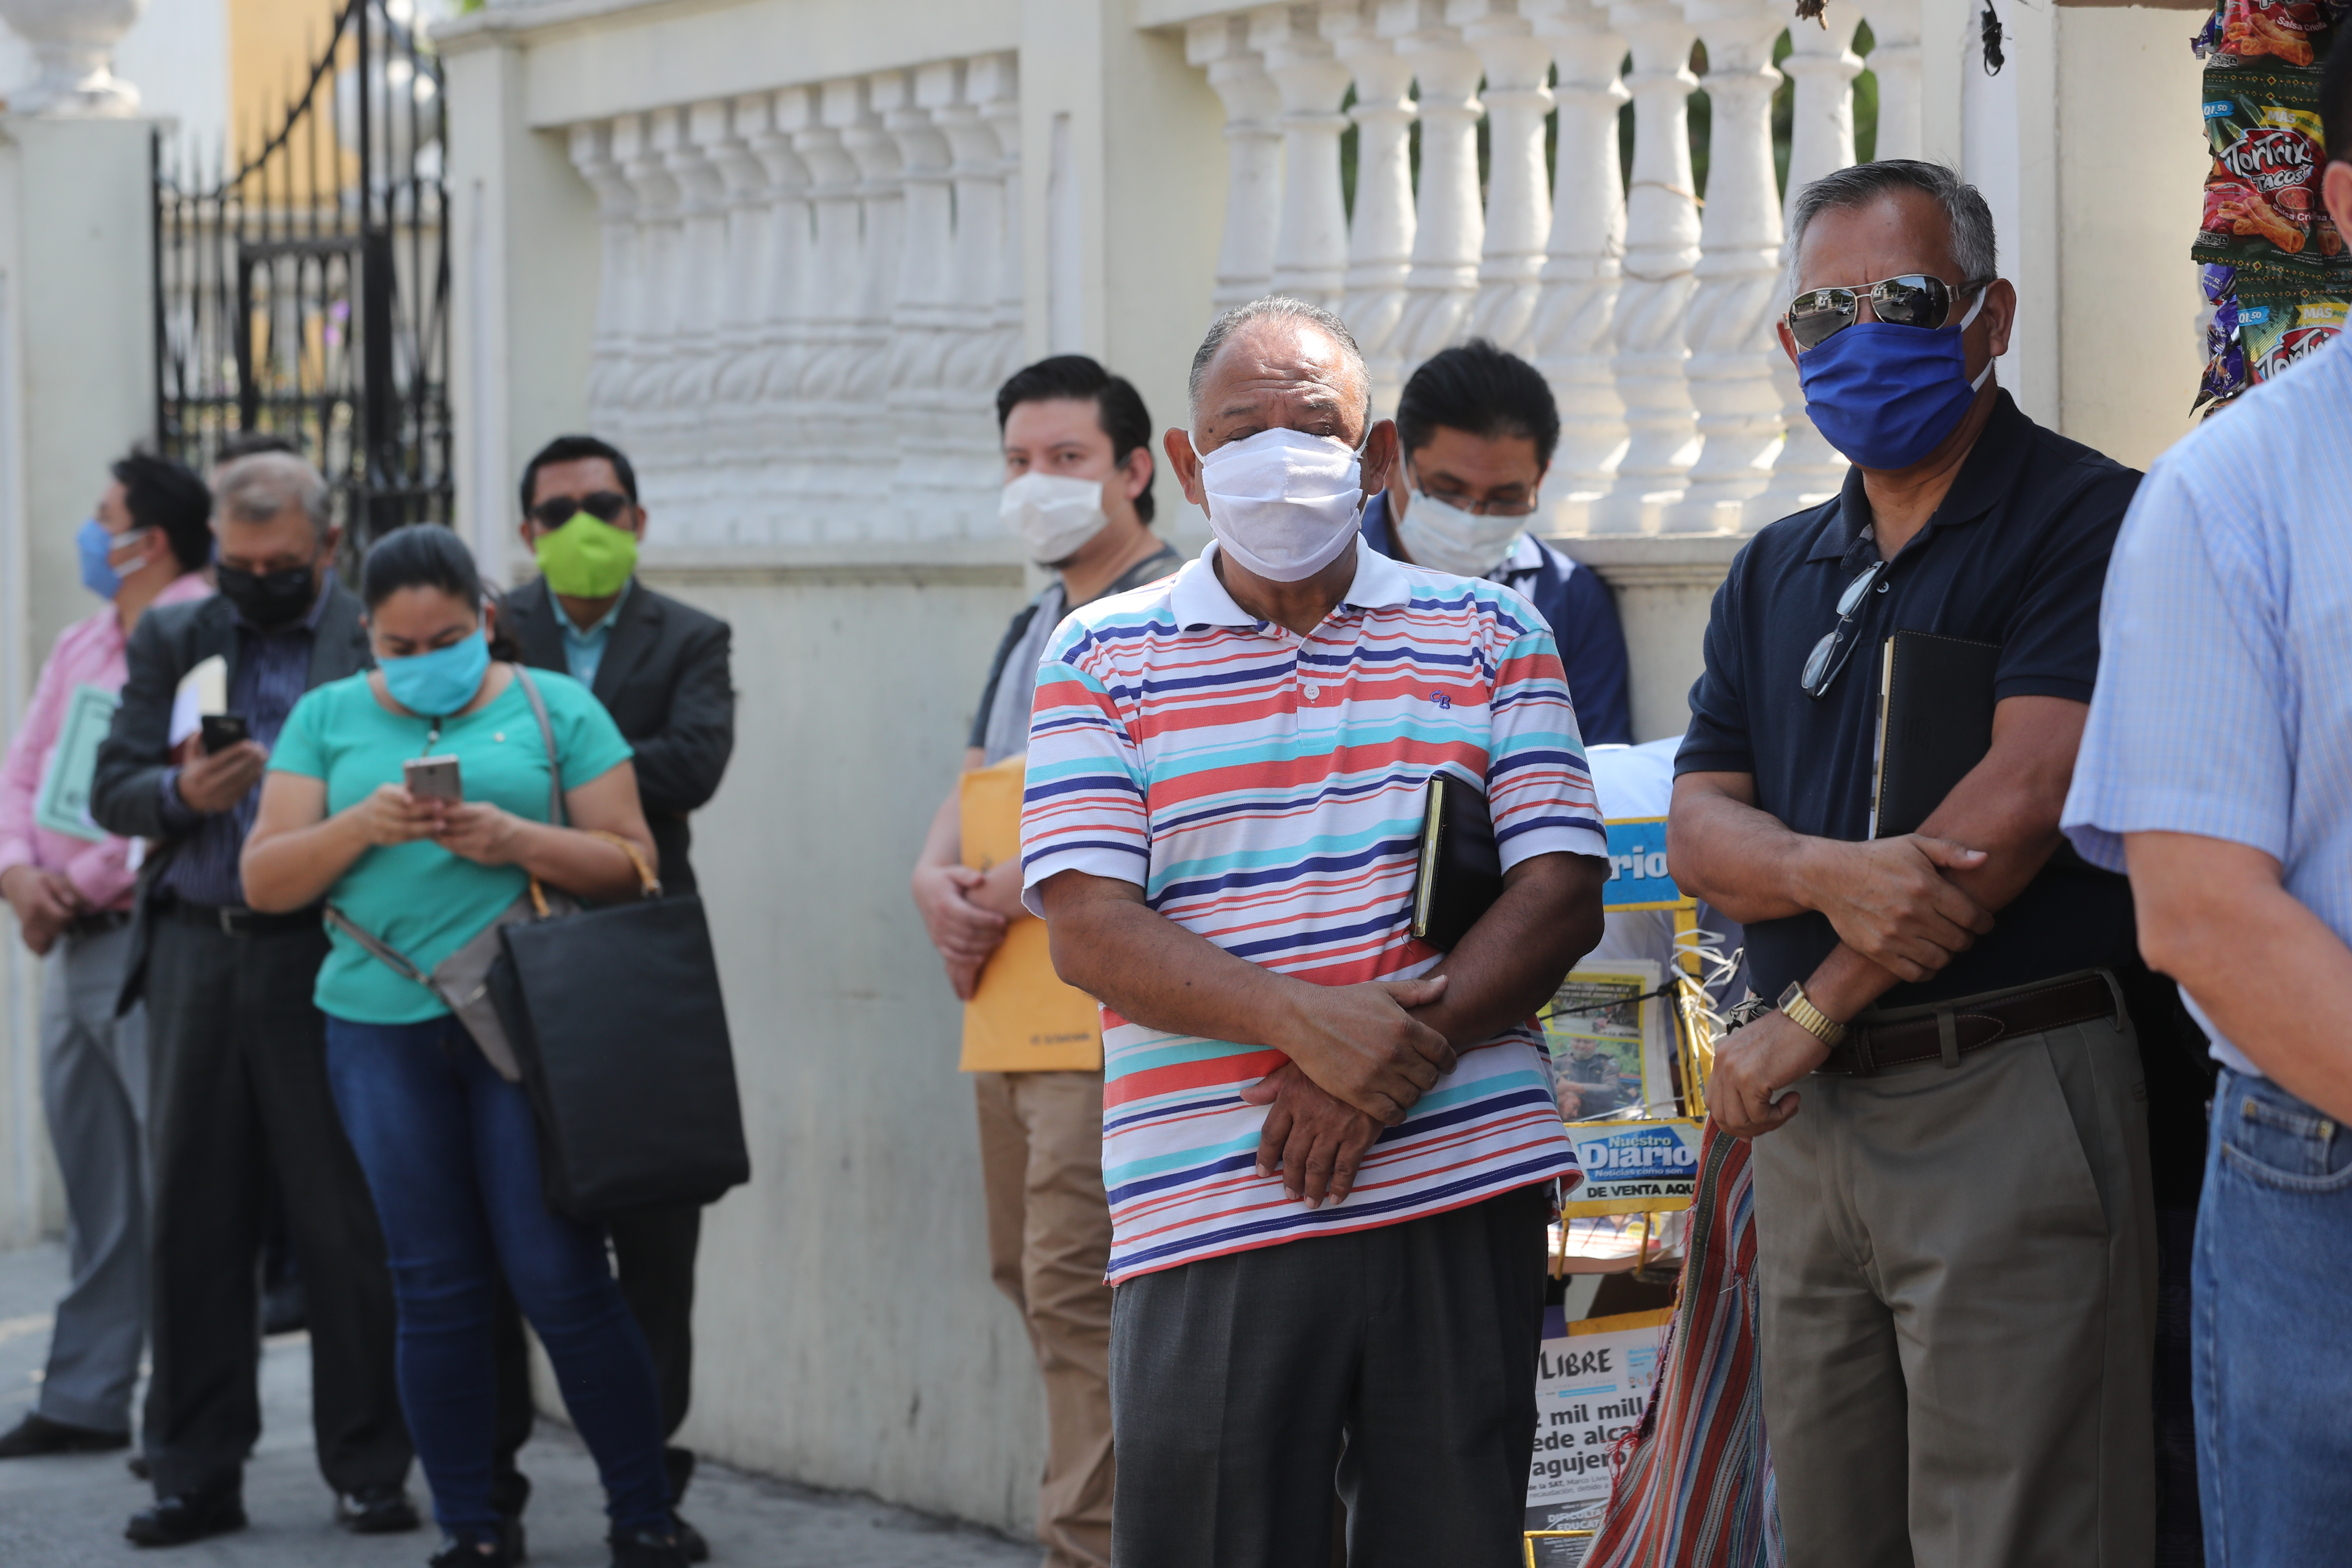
{"points": [[1647, 1164]]}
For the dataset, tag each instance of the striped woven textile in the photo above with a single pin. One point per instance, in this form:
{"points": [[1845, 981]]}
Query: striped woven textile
{"points": [[1264, 790], [1694, 1483]]}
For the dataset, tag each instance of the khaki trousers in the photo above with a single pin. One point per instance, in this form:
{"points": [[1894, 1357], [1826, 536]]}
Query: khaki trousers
{"points": [[1958, 1272], [1048, 1248]]}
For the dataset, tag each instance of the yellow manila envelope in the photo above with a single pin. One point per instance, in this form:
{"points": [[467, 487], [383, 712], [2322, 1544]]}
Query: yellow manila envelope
{"points": [[1022, 1018]]}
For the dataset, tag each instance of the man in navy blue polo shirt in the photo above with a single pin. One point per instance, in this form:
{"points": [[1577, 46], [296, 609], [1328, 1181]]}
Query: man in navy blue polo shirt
{"points": [[1952, 1189], [1478, 426]]}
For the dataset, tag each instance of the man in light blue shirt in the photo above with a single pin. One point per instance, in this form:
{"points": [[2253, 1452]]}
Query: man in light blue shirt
{"points": [[2217, 767], [584, 651]]}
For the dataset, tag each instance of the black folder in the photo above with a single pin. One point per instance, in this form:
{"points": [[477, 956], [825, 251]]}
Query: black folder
{"points": [[1934, 724], [1461, 871]]}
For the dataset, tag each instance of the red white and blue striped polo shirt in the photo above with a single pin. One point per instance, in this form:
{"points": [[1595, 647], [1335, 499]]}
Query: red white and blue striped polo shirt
{"points": [[1264, 790]]}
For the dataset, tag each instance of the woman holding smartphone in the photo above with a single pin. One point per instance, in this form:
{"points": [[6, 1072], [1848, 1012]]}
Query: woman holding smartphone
{"points": [[448, 1145]]}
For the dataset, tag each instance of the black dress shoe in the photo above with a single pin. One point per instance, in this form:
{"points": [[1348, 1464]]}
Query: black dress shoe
{"points": [[456, 1553], [191, 1516], [375, 1511], [690, 1542], [643, 1549], [37, 1435]]}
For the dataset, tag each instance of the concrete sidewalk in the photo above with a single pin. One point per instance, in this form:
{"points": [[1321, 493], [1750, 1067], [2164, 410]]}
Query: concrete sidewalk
{"points": [[68, 1512]]}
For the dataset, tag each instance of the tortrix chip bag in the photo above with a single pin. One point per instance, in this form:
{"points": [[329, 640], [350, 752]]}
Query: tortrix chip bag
{"points": [[2276, 333], [2262, 210]]}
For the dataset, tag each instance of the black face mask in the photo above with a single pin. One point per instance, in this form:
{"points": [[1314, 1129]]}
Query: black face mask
{"points": [[271, 603]]}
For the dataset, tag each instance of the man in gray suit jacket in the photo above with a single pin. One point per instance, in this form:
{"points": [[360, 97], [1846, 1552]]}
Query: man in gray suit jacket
{"points": [[661, 668], [239, 1082]]}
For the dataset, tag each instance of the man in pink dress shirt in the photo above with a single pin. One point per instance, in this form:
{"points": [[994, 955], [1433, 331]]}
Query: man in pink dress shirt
{"points": [[71, 892]]}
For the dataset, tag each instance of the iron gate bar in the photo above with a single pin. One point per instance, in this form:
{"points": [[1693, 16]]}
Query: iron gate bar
{"points": [[293, 298]]}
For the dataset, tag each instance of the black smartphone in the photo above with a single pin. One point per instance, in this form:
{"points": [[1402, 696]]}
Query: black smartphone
{"points": [[222, 731]]}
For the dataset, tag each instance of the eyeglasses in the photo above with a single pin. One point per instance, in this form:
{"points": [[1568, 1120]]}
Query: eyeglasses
{"points": [[1830, 655], [1456, 499], [604, 506], [1914, 299]]}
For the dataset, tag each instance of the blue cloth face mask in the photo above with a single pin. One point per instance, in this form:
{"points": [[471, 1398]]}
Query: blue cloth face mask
{"points": [[437, 684], [1887, 396], [97, 547]]}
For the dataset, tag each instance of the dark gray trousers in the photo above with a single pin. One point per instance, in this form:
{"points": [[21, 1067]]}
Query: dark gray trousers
{"points": [[94, 1087], [240, 1091], [1397, 1363]]}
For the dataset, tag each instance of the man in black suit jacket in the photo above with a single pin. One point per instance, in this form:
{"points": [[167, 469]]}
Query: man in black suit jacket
{"points": [[660, 669], [239, 1082]]}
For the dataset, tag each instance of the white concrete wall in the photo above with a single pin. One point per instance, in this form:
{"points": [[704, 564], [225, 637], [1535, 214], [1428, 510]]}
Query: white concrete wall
{"points": [[77, 390]]}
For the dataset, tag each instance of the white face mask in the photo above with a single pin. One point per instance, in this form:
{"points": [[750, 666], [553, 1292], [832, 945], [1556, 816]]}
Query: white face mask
{"points": [[1283, 503], [1052, 515], [1448, 539]]}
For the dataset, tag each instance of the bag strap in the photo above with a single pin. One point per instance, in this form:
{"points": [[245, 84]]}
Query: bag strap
{"points": [[556, 815], [380, 950], [648, 885]]}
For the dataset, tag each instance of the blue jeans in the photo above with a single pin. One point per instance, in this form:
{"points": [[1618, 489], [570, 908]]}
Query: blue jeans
{"points": [[452, 1158], [2273, 1378]]}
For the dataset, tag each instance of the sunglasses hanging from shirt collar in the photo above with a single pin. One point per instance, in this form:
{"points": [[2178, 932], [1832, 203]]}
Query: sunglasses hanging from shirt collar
{"points": [[1830, 655]]}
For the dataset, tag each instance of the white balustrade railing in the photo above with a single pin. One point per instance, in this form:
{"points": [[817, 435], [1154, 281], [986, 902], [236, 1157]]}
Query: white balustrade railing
{"points": [[1650, 311], [808, 299], [809, 295]]}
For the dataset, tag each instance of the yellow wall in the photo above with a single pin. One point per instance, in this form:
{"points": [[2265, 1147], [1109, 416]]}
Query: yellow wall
{"points": [[271, 44]]}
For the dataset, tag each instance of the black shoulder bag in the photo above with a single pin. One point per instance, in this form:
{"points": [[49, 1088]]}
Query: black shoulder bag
{"points": [[615, 1018]]}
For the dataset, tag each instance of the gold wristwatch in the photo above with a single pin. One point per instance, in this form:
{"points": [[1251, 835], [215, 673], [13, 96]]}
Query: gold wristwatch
{"points": [[1810, 1018]]}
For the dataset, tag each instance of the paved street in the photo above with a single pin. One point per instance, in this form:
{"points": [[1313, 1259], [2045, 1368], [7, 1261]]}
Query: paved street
{"points": [[68, 1512]]}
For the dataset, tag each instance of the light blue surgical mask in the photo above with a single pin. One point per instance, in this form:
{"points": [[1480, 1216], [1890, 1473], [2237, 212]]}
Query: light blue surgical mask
{"points": [[437, 684], [97, 547]]}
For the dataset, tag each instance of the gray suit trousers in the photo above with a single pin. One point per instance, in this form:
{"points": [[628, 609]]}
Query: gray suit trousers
{"points": [[1958, 1271], [94, 1089]]}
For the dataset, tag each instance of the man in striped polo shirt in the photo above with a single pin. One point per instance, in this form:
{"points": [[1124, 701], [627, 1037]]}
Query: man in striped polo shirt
{"points": [[1327, 1145]]}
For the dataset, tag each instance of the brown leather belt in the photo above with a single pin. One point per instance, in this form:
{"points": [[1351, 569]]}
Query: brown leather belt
{"points": [[1948, 1033]]}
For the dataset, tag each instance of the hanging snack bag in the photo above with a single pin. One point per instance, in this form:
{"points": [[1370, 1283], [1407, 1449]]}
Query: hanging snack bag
{"points": [[2292, 32], [2276, 333], [2263, 215]]}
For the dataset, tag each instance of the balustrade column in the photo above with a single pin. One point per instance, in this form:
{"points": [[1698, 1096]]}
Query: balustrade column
{"points": [[790, 288], [752, 251], [1662, 231], [731, 419], [924, 323], [870, 447], [1518, 196], [1821, 142], [994, 83], [1894, 57], [830, 309], [609, 368], [1451, 227], [969, 452], [1582, 264], [1252, 155], [1310, 253], [1730, 333], [640, 144], [1380, 240]]}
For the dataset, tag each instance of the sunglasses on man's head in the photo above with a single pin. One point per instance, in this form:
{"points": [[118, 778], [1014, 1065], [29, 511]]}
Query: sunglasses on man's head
{"points": [[1914, 299], [604, 506]]}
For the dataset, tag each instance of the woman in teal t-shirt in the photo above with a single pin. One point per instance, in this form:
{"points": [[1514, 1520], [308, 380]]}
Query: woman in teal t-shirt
{"points": [[448, 1145]]}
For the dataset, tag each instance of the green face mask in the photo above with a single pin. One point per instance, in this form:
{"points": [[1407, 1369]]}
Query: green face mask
{"points": [[586, 559]]}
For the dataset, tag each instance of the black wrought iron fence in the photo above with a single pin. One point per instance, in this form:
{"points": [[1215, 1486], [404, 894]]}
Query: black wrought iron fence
{"points": [[302, 278]]}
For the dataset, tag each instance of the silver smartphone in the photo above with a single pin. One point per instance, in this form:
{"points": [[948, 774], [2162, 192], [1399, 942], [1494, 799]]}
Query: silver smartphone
{"points": [[434, 778]]}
